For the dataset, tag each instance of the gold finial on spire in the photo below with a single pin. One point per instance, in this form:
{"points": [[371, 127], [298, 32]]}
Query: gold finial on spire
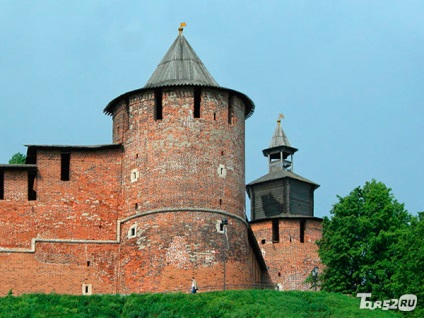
{"points": [[181, 28], [281, 116]]}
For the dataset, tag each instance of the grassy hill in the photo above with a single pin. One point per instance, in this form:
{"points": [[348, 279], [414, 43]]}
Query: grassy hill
{"points": [[247, 303]]}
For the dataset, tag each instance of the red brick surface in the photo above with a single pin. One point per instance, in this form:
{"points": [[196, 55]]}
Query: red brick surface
{"points": [[172, 247], [178, 157], [76, 231], [289, 261]]}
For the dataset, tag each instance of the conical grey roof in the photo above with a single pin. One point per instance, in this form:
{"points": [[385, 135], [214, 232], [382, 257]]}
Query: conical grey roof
{"points": [[180, 66], [279, 138]]}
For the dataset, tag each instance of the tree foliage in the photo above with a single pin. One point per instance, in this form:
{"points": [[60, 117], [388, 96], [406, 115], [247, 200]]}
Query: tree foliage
{"points": [[361, 241], [17, 159], [409, 278]]}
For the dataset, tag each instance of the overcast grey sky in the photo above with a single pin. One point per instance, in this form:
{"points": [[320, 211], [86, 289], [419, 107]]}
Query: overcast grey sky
{"points": [[347, 75]]}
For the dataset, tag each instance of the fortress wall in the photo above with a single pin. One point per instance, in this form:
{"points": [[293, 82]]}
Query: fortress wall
{"points": [[169, 249], [289, 261], [60, 268], [83, 208]]}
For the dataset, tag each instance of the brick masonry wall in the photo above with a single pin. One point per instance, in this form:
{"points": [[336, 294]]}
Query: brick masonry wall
{"points": [[120, 122], [84, 208], [171, 248], [68, 236], [16, 212], [60, 268], [177, 158], [289, 261], [182, 162]]}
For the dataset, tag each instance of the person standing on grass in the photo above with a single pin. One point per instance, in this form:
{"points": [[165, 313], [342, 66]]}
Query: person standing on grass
{"points": [[193, 286]]}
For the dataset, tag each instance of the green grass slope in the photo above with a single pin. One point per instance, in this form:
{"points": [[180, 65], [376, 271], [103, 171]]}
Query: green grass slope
{"points": [[246, 303]]}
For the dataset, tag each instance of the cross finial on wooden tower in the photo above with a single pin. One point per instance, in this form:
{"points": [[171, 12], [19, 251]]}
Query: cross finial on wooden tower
{"points": [[281, 116], [181, 28]]}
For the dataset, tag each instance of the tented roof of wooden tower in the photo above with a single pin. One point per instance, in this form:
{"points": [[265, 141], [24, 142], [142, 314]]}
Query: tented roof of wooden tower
{"points": [[182, 67], [279, 138]]}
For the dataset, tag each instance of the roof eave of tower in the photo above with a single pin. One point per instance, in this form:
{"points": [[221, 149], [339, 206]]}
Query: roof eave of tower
{"points": [[281, 174], [181, 67], [250, 105], [277, 149]]}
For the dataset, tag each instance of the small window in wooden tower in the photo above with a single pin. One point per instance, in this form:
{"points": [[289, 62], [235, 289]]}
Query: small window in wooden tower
{"points": [[197, 100]]}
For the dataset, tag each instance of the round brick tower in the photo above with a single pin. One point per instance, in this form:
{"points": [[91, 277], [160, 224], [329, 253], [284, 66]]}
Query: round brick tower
{"points": [[182, 180]]}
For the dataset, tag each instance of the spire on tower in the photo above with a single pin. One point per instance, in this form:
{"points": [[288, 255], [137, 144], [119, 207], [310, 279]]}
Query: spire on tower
{"points": [[280, 116], [279, 152], [181, 66], [279, 138], [181, 28]]}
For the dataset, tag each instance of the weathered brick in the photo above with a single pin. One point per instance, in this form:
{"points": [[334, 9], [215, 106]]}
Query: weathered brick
{"points": [[289, 260], [143, 216]]}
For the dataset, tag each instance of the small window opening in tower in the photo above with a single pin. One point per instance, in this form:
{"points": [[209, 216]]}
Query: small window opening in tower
{"points": [[134, 175], [132, 232], [158, 104], [197, 100], [275, 158], [87, 289], [287, 161], [32, 194], [214, 116], [220, 201], [65, 166], [263, 241], [230, 111], [222, 152], [302, 231], [136, 206], [88, 263], [222, 223], [1, 185], [275, 231]]}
